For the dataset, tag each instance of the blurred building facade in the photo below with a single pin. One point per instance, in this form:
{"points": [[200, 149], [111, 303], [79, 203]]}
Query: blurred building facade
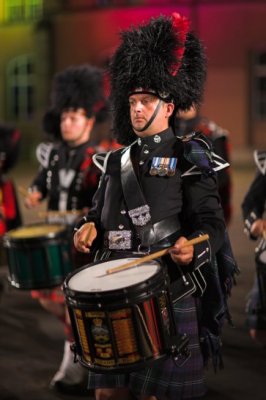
{"points": [[41, 37]]}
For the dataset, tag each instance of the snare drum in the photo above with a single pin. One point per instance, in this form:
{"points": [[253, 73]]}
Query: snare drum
{"points": [[122, 321], [38, 256]]}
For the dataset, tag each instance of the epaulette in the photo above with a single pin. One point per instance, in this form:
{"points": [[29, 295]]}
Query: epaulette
{"points": [[43, 152], [101, 159], [198, 151], [260, 160]]}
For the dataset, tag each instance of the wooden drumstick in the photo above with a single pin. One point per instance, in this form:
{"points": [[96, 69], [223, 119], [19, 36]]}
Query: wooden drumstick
{"points": [[58, 213], [157, 254], [23, 191], [91, 225]]}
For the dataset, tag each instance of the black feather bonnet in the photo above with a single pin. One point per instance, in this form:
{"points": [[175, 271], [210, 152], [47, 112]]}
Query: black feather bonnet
{"points": [[162, 57], [79, 87]]}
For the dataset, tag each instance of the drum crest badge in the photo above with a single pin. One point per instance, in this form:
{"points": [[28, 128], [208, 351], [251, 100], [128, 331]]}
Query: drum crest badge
{"points": [[100, 331]]}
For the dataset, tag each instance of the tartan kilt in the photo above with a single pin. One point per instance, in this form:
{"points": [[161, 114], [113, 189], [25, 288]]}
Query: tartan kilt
{"points": [[256, 313], [165, 379]]}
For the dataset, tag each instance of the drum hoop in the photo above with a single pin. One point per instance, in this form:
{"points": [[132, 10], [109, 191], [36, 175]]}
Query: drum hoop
{"points": [[125, 368], [133, 291], [8, 239]]}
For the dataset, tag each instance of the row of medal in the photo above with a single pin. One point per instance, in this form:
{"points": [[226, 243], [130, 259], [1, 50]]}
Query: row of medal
{"points": [[163, 166]]}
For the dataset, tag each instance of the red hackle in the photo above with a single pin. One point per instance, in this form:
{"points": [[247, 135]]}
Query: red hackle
{"points": [[181, 27]]}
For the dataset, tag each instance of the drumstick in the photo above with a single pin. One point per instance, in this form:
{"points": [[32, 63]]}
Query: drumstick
{"points": [[61, 213], [91, 225], [23, 191], [157, 254]]}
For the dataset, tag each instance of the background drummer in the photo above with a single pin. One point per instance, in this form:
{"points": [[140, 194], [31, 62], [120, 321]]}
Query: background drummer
{"points": [[68, 179], [161, 191], [253, 208]]}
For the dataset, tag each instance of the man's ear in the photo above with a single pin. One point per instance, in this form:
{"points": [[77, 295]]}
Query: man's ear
{"points": [[169, 109], [90, 123]]}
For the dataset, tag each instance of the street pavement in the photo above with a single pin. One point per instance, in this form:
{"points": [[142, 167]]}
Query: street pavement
{"points": [[31, 340]]}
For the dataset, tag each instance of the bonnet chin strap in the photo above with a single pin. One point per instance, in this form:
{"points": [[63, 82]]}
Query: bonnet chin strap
{"points": [[152, 117]]}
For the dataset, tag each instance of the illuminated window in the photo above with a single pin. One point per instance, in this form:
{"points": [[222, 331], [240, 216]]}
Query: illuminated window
{"points": [[259, 85], [33, 8], [16, 10], [20, 88]]}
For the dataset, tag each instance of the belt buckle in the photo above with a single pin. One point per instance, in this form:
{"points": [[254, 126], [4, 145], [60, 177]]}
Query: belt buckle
{"points": [[120, 240]]}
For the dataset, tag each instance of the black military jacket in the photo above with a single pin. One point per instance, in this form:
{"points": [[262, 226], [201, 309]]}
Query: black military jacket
{"points": [[67, 176], [188, 196]]}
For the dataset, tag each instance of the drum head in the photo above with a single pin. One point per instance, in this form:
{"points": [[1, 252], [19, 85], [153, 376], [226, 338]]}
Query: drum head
{"points": [[36, 231], [95, 279]]}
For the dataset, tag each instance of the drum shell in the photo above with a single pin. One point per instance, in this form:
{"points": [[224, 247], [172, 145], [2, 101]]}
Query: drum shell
{"points": [[38, 262], [128, 308]]}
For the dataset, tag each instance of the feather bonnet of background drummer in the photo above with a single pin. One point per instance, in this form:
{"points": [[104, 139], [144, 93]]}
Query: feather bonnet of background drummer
{"points": [[76, 87], [162, 57]]}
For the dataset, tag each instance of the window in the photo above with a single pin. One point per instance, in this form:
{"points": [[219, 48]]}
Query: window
{"points": [[20, 88], [14, 10], [33, 9], [259, 85], [17, 10]]}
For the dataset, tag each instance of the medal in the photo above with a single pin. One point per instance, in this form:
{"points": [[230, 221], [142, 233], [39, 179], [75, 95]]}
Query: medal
{"points": [[163, 169], [163, 166], [172, 166], [154, 166]]}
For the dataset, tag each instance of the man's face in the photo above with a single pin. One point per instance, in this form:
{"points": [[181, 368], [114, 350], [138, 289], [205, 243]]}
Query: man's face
{"points": [[142, 107], [187, 114], [75, 126]]}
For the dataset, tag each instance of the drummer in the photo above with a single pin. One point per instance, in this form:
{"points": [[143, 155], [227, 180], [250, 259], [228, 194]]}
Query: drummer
{"points": [[253, 208], [158, 192], [68, 179]]}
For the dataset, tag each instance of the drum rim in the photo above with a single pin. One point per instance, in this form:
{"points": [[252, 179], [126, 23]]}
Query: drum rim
{"points": [[125, 368], [8, 239], [135, 291]]}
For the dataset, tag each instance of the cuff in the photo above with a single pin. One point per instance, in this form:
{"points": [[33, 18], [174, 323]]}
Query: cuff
{"points": [[202, 251], [251, 218]]}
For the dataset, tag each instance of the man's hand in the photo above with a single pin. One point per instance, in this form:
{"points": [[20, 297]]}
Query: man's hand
{"points": [[33, 199], [182, 255], [84, 237], [258, 227]]}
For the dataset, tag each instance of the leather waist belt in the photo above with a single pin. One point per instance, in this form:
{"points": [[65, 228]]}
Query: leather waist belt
{"points": [[129, 239], [159, 231]]}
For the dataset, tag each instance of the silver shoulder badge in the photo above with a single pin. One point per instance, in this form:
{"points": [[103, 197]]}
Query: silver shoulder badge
{"points": [[43, 152], [260, 160]]}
